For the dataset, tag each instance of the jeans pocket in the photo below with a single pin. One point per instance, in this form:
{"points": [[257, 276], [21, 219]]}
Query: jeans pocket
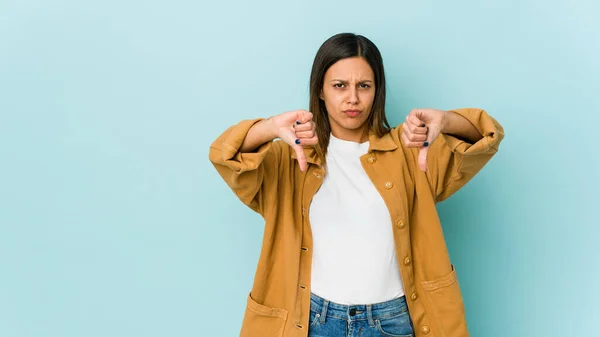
{"points": [[314, 319], [395, 326]]}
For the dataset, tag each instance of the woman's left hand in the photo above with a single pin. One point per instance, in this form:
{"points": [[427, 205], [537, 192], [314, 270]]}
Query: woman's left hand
{"points": [[421, 128]]}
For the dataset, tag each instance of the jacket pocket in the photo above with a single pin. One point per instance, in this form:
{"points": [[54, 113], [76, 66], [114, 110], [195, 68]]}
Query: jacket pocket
{"points": [[447, 304], [262, 321]]}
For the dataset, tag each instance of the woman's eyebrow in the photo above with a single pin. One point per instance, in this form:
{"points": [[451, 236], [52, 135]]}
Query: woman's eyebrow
{"points": [[344, 81]]}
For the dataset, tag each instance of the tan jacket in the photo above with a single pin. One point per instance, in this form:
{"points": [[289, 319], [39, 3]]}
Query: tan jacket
{"points": [[270, 182]]}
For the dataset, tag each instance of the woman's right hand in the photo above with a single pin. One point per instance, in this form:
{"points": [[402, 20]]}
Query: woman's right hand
{"points": [[297, 129]]}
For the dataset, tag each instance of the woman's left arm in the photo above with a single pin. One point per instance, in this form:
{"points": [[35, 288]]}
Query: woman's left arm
{"points": [[460, 127], [453, 146]]}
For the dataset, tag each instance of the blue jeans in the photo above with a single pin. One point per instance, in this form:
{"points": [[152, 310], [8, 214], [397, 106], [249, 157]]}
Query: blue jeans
{"points": [[387, 319]]}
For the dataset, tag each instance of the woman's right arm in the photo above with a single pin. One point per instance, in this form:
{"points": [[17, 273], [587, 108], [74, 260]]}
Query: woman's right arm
{"points": [[260, 133], [247, 158]]}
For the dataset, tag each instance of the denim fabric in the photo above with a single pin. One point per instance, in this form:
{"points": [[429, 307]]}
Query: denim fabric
{"points": [[387, 319]]}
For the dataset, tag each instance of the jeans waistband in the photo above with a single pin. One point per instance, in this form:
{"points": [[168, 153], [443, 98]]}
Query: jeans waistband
{"points": [[354, 312]]}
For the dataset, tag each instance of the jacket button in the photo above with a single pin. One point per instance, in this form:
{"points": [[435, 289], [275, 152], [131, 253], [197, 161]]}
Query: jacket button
{"points": [[372, 160], [407, 261], [317, 175], [388, 185], [400, 224], [425, 329], [413, 296]]}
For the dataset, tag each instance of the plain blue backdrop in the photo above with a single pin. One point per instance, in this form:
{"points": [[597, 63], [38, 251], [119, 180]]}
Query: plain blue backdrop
{"points": [[114, 223]]}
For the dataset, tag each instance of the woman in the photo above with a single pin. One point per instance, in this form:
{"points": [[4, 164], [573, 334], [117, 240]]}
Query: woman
{"points": [[352, 242]]}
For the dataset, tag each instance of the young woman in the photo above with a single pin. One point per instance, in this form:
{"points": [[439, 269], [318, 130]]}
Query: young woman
{"points": [[352, 243]]}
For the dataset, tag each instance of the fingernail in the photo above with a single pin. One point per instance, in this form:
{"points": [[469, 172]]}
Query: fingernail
{"points": [[297, 122], [298, 141], [426, 144]]}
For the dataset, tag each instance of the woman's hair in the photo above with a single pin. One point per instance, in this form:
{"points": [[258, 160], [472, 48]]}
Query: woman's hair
{"points": [[338, 47]]}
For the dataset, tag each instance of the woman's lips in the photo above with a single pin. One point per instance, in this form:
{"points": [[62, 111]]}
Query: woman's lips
{"points": [[352, 113]]}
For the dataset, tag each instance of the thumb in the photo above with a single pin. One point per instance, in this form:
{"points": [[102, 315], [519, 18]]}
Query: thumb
{"points": [[423, 158], [424, 150], [299, 149]]}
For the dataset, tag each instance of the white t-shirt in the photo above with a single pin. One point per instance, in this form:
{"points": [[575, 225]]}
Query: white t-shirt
{"points": [[354, 258]]}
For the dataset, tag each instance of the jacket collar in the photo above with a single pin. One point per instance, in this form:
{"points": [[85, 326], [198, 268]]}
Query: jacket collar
{"points": [[385, 143]]}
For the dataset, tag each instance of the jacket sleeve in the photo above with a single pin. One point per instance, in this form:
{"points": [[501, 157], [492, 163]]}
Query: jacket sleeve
{"points": [[452, 162], [250, 175]]}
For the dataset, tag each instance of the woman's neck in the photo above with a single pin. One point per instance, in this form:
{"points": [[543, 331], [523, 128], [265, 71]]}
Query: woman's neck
{"points": [[358, 136]]}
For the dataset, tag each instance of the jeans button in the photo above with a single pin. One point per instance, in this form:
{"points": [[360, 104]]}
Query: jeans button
{"points": [[352, 312]]}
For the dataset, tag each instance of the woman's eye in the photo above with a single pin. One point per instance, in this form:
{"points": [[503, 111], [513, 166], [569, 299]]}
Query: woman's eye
{"points": [[342, 85]]}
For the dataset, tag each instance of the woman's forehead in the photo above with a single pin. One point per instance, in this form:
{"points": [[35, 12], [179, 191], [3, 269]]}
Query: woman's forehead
{"points": [[355, 68]]}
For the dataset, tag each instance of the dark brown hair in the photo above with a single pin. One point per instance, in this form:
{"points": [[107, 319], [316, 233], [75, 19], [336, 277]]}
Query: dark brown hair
{"points": [[338, 47]]}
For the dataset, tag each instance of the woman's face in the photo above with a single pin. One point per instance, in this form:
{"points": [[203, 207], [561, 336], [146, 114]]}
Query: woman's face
{"points": [[348, 92]]}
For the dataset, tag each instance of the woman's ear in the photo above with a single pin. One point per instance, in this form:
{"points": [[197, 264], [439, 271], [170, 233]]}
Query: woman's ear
{"points": [[321, 95]]}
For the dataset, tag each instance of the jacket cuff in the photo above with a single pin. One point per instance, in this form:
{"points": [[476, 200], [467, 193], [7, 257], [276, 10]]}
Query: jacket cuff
{"points": [[232, 142], [488, 127]]}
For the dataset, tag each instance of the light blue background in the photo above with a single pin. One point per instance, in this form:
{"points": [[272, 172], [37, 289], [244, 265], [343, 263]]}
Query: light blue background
{"points": [[114, 223]]}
